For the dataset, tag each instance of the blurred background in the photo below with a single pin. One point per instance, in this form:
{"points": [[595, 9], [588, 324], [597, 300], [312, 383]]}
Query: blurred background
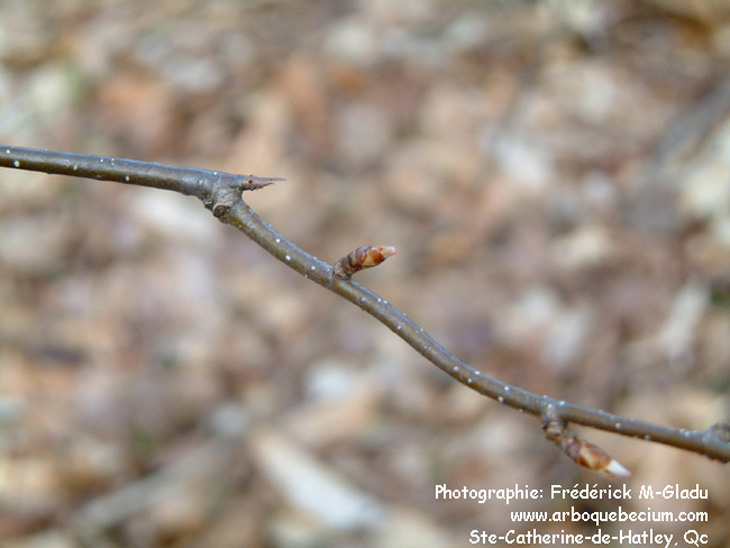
{"points": [[555, 176]]}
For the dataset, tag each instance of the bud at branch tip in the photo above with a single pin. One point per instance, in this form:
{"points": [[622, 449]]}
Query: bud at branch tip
{"points": [[254, 182]]}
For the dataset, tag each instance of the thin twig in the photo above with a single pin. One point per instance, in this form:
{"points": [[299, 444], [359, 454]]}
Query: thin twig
{"points": [[222, 194]]}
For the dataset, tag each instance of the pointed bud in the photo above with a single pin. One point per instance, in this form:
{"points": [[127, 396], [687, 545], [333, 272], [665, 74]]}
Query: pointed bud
{"points": [[580, 451], [591, 456], [363, 257], [254, 182]]}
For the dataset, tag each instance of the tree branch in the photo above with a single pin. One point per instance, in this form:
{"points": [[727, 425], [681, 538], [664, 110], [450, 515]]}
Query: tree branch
{"points": [[221, 193]]}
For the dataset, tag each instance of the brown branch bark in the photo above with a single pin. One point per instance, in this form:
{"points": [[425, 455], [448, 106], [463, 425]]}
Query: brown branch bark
{"points": [[221, 193]]}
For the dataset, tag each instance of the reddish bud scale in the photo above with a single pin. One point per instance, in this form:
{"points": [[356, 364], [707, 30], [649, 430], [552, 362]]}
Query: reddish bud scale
{"points": [[585, 453], [363, 257]]}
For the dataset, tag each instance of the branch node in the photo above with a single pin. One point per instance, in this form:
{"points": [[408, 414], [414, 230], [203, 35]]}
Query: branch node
{"points": [[363, 257], [221, 210], [553, 429]]}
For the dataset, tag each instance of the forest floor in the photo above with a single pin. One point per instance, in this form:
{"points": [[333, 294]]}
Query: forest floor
{"points": [[556, 178]]}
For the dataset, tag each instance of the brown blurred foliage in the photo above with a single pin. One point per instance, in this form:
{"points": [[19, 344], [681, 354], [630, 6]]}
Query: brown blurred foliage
{"points": [[554, 175]]}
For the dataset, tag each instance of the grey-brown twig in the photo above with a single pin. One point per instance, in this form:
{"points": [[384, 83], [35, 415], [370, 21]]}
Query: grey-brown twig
{"points": [[221, 193]]}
